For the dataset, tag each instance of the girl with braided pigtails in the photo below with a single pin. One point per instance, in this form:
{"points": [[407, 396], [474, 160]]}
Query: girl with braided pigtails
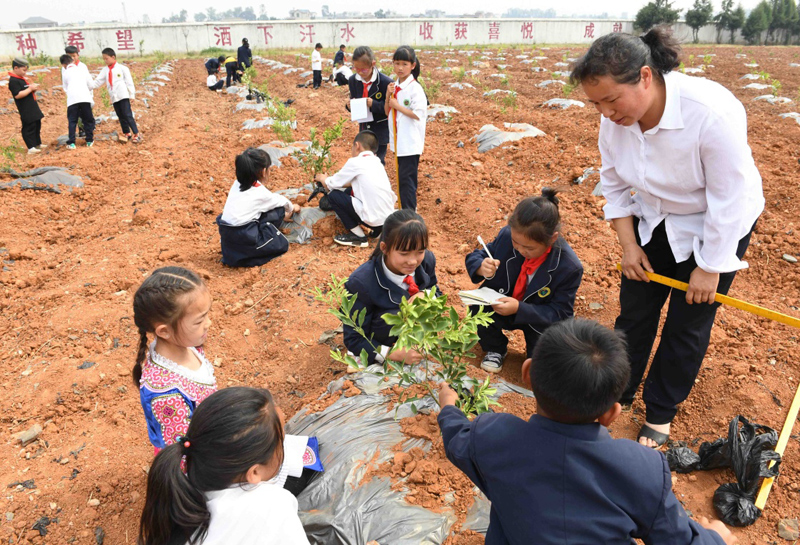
{"points": [[172, 372]]}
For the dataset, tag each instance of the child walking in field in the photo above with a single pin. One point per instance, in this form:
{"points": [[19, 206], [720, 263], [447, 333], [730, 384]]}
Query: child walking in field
{"points": [[361, 193], [121, 90], [249, 226], [401, 266], [536, 270], [407, 108], [233, 450], [370, 83], [24, 93], [77, 84]]}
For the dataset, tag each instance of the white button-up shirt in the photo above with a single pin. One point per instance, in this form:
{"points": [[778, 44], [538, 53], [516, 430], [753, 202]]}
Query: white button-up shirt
{"points": [[316, 60], [410, 131], [373, 197], [246, 206], [122, 86], [694, 170], [77, 84]]}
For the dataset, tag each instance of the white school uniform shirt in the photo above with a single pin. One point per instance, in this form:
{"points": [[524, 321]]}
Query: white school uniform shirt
{"points": [[77, 84], [316, 60], [344, 69], [122, 87], [373, 197], [245, 206], [694, 170], [372, 78], [245, 514], [211, 80], [410, 131]]}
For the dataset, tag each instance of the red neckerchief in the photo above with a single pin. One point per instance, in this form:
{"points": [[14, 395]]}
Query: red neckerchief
{"points": [[413, 289], [394, 117], [366, 89], [111, 74], [26, 80], [528, 267]]}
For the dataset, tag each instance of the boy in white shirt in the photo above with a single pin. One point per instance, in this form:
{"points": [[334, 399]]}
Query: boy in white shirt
{"points": [[77, 83], [316, 65], [213, 83], [361, 193], [341, 74], [121, 90]]}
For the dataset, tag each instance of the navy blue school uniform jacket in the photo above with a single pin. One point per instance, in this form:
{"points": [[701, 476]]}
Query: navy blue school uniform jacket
{"points": [[379, 295], [550, 296], [377, 92], [565, 484]]}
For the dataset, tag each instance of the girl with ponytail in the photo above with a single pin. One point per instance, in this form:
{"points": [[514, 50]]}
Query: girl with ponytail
{"points": [[535, 270], [683, 194], [172, 372], [231, 451]]}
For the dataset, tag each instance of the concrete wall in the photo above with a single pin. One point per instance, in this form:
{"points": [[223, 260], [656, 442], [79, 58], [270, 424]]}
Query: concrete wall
{"points": [[184, 37]]}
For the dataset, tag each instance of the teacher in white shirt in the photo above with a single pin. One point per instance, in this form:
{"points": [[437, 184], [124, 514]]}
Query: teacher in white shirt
{"points": [[683, 195]]}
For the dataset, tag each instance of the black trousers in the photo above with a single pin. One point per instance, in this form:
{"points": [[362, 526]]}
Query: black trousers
{"points": [[232, 74], [382, 153], [492, 338], [317, 78], [342, 204], [82, 111], [125, 115], [408, 167], [31, 133], [684, 337], [217, 86]]}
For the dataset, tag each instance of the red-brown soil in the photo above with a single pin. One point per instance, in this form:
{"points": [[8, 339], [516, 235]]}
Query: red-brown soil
{"points": [[74, 260]]}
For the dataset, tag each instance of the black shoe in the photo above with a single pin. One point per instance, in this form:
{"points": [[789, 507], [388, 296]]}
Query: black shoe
{"points": [[351, 239]]}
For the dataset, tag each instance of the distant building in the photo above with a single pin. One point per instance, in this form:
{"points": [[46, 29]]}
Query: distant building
{"points": [[435, 13], [301, 14], [37, 22]]}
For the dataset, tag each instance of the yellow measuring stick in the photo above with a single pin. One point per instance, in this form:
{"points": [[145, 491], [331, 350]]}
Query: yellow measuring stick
{"points": [[786, 432], [725, 300], [766, 486]]}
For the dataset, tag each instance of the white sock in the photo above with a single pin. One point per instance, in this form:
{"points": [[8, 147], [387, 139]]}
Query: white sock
{"points": [[358, 231]]}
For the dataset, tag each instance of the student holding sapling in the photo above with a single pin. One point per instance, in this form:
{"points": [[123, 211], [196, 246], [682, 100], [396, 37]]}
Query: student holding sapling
{"points": [[534, 269], [679, 143], [559, 477], [401, 266]]}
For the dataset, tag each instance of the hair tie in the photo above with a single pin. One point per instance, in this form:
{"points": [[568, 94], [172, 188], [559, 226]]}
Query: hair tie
{"points": [[186, 444]]}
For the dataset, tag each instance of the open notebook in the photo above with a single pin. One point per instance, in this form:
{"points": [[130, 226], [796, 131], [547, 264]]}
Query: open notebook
{"points": [[481, 296]]}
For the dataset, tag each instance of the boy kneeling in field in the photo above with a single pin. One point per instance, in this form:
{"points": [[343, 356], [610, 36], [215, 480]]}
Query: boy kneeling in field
{"points": [[560, 477]]}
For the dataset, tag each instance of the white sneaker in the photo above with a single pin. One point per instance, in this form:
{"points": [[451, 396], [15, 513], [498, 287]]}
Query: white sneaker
{"points": [[42, 146], [493, 362], [34, 150]]}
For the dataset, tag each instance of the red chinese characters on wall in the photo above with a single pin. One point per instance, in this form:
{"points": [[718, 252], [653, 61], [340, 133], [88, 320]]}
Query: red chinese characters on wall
{"points": [[347, 32], [617, 27], [527, 31], [223, 35], [461, 31], [588, 31], [76, 39], [125, 40], [26, 44], [307, 33], [494, 31], [267, 34], [426, 31]]}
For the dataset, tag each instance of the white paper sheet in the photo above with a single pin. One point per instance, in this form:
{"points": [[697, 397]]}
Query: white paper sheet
{"points": [[359, 111]]}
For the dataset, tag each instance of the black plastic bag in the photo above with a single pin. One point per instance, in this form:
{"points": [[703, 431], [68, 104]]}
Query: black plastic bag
{"points": [[748, 450]]}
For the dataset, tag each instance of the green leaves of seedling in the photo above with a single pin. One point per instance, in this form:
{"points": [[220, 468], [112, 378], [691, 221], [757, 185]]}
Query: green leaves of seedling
{"points": [[429, 326]]}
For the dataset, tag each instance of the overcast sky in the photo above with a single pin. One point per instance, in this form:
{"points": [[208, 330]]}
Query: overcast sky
{"points": [[111, 10]]}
